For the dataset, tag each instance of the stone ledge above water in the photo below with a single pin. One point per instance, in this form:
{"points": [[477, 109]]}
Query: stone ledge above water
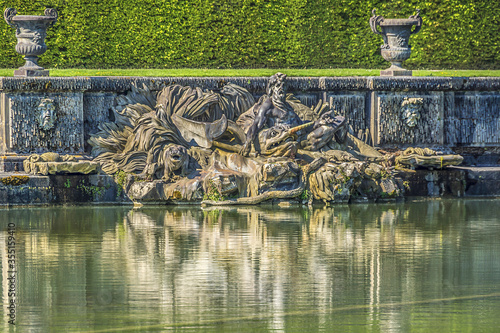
{"points": [[102, 189], [255, 85], [60, 189]]}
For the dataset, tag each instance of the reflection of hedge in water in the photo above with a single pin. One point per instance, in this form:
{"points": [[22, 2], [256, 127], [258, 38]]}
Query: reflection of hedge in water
{"points": [[255, 33]]}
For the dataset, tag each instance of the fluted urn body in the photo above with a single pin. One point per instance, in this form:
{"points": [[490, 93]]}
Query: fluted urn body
{"points": [[396, 34], [30, 33]]}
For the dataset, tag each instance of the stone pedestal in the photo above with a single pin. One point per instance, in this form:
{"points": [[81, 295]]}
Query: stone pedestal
{"points": [[393, 72], [23, 72]]}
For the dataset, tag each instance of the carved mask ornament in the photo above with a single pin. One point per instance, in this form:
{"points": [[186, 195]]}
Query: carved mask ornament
{"points": [[410, 110], [46, 114]]}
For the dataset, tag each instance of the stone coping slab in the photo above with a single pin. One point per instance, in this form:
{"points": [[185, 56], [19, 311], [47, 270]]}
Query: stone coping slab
{"points": [[253, 84], [481, 172]]}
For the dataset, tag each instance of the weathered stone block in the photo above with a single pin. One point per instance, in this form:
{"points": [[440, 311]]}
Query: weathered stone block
{"points": [[418, 83], [96, 110], [62, 168], [446, 182], [38, 181], [25, 117], [351, 105], [408, 118], [147, 191], [4, 196], [473, 119], [310, 100], [101, 180], [389, 72], [11, 163], [451, 122], [353, 83], [482, 181]]}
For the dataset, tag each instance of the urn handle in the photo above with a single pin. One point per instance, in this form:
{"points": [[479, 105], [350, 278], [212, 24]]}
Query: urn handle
{"points": [[418, 26], [375, 22], [8, 14], [51, 12]]}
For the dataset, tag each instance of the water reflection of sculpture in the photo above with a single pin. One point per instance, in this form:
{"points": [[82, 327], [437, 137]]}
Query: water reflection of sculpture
{"points": [[178, 262], [192, 145], [243, 258]]}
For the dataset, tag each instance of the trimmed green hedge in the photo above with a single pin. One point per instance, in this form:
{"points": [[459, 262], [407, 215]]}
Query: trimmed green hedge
{"points": [[255, 33]]}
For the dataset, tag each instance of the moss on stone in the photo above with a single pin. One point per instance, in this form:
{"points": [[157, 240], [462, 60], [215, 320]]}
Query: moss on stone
{"points": [[15, 180]]}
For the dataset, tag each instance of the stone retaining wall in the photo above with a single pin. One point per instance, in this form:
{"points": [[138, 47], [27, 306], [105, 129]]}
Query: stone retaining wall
{"points": [[59, 189], [102, 189], [452, 112]]}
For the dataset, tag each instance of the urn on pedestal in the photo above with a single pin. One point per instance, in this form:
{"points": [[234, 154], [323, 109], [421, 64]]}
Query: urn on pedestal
{"points": [[396, 34], [30, 33]]}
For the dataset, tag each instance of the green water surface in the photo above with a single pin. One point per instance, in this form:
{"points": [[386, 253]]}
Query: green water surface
{"points": [[429, 266]]}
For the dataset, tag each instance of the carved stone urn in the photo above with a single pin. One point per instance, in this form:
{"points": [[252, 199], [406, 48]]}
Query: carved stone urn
{"points": [[396, 34], [30, 32]]}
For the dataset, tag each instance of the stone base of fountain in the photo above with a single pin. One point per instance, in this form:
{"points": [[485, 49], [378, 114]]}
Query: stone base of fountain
{"points": [[456, 116], [19, 189]]}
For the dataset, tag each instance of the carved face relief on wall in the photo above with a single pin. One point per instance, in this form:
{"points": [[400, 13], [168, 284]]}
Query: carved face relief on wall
{"points": [[410, 110], [46, 114]]}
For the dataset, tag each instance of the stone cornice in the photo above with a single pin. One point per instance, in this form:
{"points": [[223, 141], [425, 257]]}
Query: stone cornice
{"points": [[255, 85]]}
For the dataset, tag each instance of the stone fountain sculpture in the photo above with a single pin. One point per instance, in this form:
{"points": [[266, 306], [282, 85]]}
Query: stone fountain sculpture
{"points": [[30, 32], [184, 144], [396, 34]]}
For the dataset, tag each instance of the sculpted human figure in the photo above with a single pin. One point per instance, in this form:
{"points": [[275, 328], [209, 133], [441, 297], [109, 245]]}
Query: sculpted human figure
{"points": [[274, 111]]}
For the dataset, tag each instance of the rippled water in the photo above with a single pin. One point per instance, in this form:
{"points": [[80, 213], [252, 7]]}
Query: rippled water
{"points": [[425, 266]]}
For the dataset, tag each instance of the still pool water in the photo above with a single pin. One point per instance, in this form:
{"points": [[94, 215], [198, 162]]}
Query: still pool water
{"points": [[429, 266]]}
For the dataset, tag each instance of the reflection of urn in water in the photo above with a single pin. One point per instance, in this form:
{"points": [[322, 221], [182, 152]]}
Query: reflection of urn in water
{"points": [[396, 34], [30, 32]]}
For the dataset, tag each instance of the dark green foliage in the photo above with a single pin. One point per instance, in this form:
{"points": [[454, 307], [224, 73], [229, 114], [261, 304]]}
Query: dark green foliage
{"points": [[255, 33]]}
